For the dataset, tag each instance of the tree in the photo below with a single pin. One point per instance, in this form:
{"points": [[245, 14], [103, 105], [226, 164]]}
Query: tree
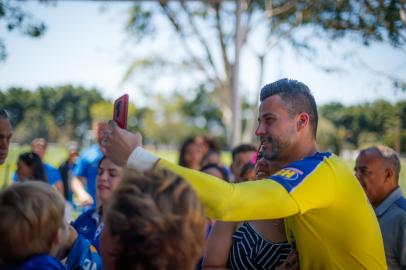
{"points": [[55, 113], [16, 18], [369, 123], [213, 33]]}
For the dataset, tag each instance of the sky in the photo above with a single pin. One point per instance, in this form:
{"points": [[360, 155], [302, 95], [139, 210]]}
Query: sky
{"points": [[86, 44]]}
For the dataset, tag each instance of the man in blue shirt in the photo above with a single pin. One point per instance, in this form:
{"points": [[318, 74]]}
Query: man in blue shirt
{"points": [[377, 168], [85, 171]]}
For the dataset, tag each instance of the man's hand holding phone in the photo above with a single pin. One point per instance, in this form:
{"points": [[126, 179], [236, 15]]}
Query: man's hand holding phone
{"points": [[118, 143]]}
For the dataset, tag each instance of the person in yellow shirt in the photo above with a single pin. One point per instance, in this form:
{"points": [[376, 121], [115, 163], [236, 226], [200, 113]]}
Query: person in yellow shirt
{"points": [[327, 214]]}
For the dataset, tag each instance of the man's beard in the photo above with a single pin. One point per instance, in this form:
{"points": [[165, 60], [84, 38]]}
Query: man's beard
{"points": [[277, 146]]}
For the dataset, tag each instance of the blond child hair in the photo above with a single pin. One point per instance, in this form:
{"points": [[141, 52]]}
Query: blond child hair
{"points": [[31, 215]]}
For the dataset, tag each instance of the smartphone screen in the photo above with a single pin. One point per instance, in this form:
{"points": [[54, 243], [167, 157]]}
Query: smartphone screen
{"points": [[121, 111]]}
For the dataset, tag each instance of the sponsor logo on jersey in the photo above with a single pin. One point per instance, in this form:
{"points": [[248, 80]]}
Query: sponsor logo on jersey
{"points": [[291, 174]]}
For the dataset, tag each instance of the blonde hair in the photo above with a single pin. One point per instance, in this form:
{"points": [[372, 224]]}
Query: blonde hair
{"points": [[158, 221], [31, 214]]}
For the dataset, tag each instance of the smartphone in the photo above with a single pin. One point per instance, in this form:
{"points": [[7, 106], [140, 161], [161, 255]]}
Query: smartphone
{"points": [[121, 111]]}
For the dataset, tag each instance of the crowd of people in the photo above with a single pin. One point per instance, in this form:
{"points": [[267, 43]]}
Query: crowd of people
{"points": [[280, 205]]}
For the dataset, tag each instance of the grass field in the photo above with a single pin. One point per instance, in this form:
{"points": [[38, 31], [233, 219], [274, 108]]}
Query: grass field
{"points": [[56, 154]]}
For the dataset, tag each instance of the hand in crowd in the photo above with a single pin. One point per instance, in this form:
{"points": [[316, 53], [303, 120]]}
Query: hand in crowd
{"points": [[291, 262], [85, 199], [73, 235], [118, 143]]}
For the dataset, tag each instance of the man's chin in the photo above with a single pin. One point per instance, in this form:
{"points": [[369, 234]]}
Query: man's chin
{"points": [[261, 176]]}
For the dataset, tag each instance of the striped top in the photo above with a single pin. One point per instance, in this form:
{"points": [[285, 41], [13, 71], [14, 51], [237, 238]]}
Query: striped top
{"points": [[250, 251]]}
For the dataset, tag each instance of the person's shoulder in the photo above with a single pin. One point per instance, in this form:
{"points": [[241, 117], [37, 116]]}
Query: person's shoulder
{"points": [[296, 172], [302, 168], [49, 167], [85, 217], [91, 153], [399, 206]]}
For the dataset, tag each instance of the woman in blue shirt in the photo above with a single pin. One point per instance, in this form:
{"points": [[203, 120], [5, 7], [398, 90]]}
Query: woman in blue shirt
{"points": [[90, 223]]}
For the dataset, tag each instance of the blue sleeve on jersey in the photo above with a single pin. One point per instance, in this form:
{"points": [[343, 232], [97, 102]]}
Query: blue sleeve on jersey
{"points": [[293, 174], [80, 167], [83, 256], [53, 174]]}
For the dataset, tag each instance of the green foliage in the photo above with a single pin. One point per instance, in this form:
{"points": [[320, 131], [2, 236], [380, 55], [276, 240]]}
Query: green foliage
{"points": [[166, 123], [202, 111], [369, 123], [50, 112], [15, 18]]}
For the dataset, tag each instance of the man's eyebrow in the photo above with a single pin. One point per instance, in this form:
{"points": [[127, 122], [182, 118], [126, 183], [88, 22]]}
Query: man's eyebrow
{"points": [[266, 114]]}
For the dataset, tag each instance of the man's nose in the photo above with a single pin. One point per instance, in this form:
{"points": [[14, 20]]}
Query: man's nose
{"points": [[3, 143], [260, 131], [358, 175]]}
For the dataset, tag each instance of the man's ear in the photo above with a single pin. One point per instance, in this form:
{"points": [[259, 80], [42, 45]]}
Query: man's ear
{"points": [[389, 174], [303, 119]]}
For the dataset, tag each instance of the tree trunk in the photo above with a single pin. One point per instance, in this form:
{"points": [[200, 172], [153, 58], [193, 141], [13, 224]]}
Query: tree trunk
{"points": [[249, 132], [235, 97]]}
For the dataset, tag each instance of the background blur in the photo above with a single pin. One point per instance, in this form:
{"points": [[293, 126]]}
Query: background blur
{"points": [[195, 67]]}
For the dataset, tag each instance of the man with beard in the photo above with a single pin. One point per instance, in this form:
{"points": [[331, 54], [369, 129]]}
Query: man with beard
{"points": [[326, 212], [5, 135]]}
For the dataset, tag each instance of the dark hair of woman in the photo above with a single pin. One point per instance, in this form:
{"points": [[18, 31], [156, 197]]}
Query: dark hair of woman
{"points": [[182, 152], [33, 161]]}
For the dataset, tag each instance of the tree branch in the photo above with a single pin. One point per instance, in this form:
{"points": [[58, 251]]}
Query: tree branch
{"points": [[402, 12], [283, 35], [279, 10], [201, 39], [220, 33], [172, 18]]}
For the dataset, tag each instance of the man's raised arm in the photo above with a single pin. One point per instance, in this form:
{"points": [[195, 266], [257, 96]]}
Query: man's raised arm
{"points": [[262, 199]]}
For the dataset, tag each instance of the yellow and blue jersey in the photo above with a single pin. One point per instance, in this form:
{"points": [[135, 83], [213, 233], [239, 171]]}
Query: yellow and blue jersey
{"points": [[326, 211]]}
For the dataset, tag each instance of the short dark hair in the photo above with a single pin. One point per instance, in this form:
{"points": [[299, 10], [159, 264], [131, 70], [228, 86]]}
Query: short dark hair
{"points": [[4, 114], [296, 96], [33, 161], [388, 155], [241, 149], [219, 168], [246, 168]]}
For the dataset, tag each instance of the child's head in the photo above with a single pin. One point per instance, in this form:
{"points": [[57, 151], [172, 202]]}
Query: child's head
{"points": [[155, 221], [30, 167], [247, 172], [32, 221]]}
